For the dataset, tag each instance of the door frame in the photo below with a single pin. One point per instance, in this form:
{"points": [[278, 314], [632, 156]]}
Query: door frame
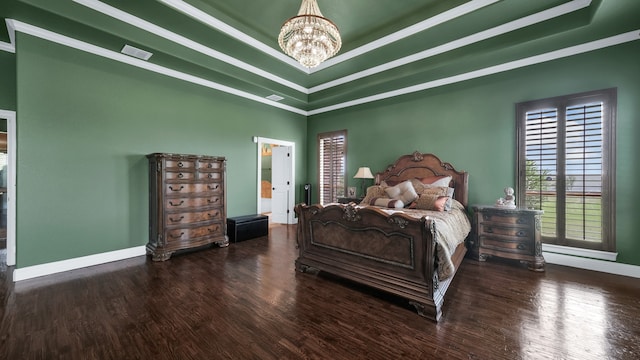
{"points": [[10, 116], [291, 219]]}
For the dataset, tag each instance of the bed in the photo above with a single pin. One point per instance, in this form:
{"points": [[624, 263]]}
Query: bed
{"points": [[400, 251]]}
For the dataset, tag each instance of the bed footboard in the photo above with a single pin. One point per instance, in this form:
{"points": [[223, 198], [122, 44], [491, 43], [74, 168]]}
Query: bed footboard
{"points": [[391, 252]]}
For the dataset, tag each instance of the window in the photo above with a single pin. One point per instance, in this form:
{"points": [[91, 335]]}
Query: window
{"points": [[566, 167], [332, 150]]}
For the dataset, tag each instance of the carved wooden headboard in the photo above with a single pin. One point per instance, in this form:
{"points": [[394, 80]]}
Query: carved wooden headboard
{"points": [[418, 165]]}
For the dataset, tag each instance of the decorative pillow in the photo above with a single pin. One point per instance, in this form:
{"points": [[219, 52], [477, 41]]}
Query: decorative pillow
{"points": [[439, 180], [440, 191], [431, 202], [403, 191], [435, 190], [386, 183], [375, 191], [386, 202]]}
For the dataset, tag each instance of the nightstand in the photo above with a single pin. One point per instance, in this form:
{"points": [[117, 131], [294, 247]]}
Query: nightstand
{"points": [[346, 200], [507, 233]]}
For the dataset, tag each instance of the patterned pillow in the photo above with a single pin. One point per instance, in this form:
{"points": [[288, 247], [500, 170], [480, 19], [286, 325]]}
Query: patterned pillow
{"points": [[403, 191], [423, 183], [440, 191], [375, 191], [431, 202]]}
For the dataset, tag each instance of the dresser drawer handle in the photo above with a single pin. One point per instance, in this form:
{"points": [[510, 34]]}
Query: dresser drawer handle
{"points": [[172, 189], [178, 204], [521, 247], [210, 176], [214, 187], [180, 175], [176, 220], [214, 201], [180, 164], [214, 215], [209, 165], [521, 233], [213, 230], [521, 221], [489, 230], [176, 236], [486, 217]]}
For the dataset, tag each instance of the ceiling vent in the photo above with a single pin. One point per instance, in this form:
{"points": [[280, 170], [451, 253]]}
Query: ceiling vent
{"points": [[275, 97], [135, 52]]}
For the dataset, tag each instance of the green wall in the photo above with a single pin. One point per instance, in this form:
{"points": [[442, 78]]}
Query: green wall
{"points": [[84, 126], [7, 81], [472, 125]]}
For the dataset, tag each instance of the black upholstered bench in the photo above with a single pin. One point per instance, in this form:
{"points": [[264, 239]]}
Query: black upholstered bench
{"points": [[246, 227]]}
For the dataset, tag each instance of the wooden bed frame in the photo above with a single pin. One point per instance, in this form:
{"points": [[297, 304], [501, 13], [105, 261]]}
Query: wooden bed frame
{"points": [[393, 253]]}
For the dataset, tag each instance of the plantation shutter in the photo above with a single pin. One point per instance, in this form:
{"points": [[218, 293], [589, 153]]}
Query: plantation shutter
{"points": [[566, 167], [332, 162]]}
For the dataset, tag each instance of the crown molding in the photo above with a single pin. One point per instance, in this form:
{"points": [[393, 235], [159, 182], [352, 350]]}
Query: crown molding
{"points": [[179, 39], [15, 25], [459, 43], [11, 45], [512, 65], [426, 24], [32, 30], [219, 25], [189, 10]]}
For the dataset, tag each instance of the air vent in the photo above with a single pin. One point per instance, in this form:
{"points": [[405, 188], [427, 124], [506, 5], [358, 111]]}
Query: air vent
{"points": [[135, 52], [275, 97]]}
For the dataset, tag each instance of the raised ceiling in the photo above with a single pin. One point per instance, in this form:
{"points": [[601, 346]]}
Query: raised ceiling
{"points": [[390, 47]]}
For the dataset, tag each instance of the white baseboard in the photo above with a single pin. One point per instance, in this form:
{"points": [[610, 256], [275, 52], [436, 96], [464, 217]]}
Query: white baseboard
{"points": [[592, 264], [30, 272], [34, 271]]}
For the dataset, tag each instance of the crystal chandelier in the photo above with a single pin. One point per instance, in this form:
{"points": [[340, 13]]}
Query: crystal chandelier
{"points": [[309, 37]]}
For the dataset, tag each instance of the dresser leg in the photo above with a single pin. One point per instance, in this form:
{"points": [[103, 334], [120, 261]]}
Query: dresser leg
{"points": [[223, 243]]}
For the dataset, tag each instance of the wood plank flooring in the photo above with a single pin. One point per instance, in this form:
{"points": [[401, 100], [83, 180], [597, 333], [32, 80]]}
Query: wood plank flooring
{"points": [[247, 302]]}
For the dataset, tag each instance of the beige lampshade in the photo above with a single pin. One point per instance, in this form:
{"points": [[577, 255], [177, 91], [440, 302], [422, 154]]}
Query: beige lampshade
{"points": [[363, 173]]}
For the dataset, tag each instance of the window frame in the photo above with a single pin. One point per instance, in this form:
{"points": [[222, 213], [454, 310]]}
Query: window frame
{"points": [[339, 192], [561, 103]]}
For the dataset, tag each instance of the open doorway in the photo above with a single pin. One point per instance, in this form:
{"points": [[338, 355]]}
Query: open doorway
{"points": [[276, 179], [7, 186]]}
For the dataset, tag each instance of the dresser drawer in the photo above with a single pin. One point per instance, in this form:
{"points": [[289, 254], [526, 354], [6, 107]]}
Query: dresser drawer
{"points": [[180, 234], [179, 175], [179, 164], [210, 165], [177, 188], [522, 246], [177, 219], [213, 176], [183, 203]]}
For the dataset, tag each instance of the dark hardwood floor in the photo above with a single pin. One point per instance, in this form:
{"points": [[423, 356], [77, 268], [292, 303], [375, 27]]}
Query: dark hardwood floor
{"points": [[247, 302]]}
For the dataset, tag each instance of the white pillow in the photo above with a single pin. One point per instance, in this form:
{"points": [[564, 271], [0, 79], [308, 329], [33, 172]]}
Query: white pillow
{"points": [[403, 191]]}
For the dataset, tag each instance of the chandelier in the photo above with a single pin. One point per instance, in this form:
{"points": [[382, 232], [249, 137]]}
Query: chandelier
{"points": [[309, 37]]}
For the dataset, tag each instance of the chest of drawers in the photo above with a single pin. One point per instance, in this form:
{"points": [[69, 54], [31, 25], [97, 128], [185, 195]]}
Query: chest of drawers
{"points": [[187, 205], [507, 233]]}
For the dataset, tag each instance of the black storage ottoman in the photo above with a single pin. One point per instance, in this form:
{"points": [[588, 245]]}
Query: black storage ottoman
{"points": [[246, 227]]}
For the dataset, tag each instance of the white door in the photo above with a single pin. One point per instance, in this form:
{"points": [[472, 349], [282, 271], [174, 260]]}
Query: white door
{"points": [[281, 184]]}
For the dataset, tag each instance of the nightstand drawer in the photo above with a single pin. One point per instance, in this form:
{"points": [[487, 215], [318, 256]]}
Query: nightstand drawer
{"points": [[510, 219], [507, 245], [516, 232]]}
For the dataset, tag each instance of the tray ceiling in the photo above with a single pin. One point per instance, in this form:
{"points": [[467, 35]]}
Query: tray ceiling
{"points": [[389, 48]]}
